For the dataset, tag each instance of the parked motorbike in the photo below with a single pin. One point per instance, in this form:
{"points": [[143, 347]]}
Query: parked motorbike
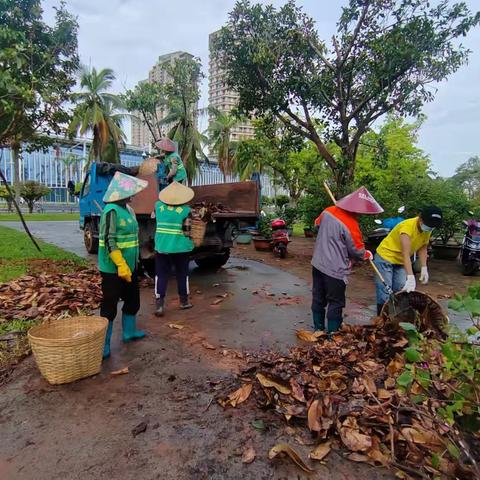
{"points": [[470, 251], [387, 224], [280, 237]]}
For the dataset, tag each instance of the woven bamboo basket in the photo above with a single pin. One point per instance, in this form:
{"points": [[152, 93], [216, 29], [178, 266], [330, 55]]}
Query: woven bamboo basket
{"points": [[420, 309], [197, 231], [69, 349]]}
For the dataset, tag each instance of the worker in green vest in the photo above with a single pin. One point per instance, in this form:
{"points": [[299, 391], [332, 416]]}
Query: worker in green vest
{"points": [[171, 160], [118, 255], [172, 243]]}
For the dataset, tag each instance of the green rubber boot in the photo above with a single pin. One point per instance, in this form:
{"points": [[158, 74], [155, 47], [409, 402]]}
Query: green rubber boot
{"points": [[108, 337], [129, 326], [318, 321], [334, 324]]}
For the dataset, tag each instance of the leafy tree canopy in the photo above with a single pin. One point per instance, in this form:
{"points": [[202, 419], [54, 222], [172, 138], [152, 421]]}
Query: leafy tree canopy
{"points": [[467, 175], [384, 57]]}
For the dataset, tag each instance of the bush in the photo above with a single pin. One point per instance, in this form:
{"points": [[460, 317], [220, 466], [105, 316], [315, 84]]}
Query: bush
{"points": [[310, 207], [264, 225], [289, 214], [282, 200], [266, 201], [6, 196], [32, 191]]}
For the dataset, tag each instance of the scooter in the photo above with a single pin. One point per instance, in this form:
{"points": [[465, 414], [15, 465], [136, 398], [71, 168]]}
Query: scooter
{"points": [[470, 251], [280, 237], [387, 224]]}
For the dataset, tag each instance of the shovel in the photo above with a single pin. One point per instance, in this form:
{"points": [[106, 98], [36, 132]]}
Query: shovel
{"points": [[391, 296]]}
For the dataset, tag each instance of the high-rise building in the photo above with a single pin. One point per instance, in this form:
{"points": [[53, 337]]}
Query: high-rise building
{"points": [[222, 97], [141, 135]]}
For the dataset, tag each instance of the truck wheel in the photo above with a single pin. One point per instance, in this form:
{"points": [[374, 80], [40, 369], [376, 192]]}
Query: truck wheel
{"points": [[91, 242], [215, 261]]}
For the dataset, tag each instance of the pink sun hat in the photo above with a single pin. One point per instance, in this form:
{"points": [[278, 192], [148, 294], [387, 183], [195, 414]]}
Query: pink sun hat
{"points": [[360, 201], [166, 145]]}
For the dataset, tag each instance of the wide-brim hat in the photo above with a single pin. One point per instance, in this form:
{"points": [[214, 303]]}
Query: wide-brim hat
{"points": [[360, 201], [123, 186], [176, 194], [166, 145]]}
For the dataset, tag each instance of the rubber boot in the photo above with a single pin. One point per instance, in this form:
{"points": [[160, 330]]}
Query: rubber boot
{"points": [[108, 337], [129, 326], [379, 309], [318, 321], [334, 324], [185, 303], [160, 307]]}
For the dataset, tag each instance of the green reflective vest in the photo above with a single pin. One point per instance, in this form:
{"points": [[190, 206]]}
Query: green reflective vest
{"points": [[169, 236], [125, 237], [181, 172]]}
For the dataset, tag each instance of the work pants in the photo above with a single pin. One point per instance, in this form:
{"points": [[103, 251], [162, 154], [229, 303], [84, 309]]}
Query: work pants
{"points": [[328, 296], [115, 289], [163, 268]]}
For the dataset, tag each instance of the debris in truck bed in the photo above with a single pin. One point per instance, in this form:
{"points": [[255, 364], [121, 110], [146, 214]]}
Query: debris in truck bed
{"points": [[206, 211], [47, 295]]}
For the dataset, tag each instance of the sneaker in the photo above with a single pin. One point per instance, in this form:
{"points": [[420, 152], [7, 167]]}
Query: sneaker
{"points": [[160, 309]]}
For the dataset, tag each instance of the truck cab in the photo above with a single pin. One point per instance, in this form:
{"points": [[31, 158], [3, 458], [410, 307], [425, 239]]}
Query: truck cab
{"points": [[240, 201]]}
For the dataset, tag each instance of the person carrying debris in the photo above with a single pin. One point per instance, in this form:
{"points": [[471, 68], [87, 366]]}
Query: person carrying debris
{"points": [[338, 241], [118, 254], [172, 243], [393, 256], [171, 160]]}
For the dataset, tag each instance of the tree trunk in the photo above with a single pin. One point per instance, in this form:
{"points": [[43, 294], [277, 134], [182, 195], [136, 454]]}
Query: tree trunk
{"points": [[30, 206], [15, 148]]}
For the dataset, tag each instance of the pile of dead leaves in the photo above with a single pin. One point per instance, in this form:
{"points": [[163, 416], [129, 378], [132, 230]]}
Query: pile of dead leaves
{"points": [[48, 295], [342, 393]]}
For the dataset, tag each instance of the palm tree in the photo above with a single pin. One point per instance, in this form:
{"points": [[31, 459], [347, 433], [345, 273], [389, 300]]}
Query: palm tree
{"points": [[219, 133], [182, 120], [97, 111]]}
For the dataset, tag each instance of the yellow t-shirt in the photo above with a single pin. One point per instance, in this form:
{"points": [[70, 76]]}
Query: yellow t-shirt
{"points": [[391, 247]]}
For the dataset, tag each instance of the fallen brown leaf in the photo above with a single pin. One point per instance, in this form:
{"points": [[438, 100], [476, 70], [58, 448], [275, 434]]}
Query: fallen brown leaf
{"points": [[266, 382], [352, 438], [307, 336], [122, 371], [217, 301], [249, 455], [208, 346], [284, 448], [314, 415], [240, 395], [321, 451], [176, 326]]}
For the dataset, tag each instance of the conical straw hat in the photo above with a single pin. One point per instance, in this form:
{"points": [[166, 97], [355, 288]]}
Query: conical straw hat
{"points": [[166, 144], [360, 201], [123, 186], [176, 194]]}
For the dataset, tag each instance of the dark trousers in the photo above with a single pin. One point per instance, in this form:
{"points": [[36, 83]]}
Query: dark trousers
{"points": [[115, 289], [328, 295], [163, 268]]}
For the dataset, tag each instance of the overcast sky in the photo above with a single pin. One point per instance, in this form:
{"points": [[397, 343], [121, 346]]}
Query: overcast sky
{"points": [[129, 35]]}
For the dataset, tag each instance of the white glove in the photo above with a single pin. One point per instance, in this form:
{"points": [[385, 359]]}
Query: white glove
{"points": [[424, 277], [410, 284]]}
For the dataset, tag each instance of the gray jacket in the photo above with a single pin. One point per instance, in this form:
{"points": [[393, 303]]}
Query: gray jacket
{"points": [[339, 240]]}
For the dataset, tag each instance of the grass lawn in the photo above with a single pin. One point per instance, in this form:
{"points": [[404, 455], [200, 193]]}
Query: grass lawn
{"points": [[45, 217], [298, 229], [17, 251]]}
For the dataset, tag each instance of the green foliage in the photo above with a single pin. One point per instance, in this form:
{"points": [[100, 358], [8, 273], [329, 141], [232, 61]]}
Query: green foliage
{"points": [[97, 112], [267, 201], [467, 176], [446, 371], [219, 136], [37, 71], [5, 195], [289, 214], [32, 191], [182, 93], [147, 100], [384, 57], [311, 206], [264, 225], [281, 200]]}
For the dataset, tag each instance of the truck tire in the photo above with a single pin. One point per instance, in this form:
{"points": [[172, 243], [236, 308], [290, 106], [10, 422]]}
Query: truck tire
{"points": [[215, 261], [469, 269], [89, 238]]}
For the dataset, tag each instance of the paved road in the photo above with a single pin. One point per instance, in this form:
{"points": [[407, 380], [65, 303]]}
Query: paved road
{"points": [[64, 234]]}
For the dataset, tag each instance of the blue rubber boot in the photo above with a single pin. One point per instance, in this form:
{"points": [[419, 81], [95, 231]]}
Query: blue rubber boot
{"points": [[108, 337], [318, 320], [129, 326], [334, 324]]}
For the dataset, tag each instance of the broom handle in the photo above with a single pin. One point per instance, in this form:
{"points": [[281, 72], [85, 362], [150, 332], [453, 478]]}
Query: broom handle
{"points": [[380, 277], [327, 188]]}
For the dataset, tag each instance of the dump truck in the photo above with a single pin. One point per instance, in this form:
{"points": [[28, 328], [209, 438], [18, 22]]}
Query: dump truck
{"points": [[239, 199]]}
